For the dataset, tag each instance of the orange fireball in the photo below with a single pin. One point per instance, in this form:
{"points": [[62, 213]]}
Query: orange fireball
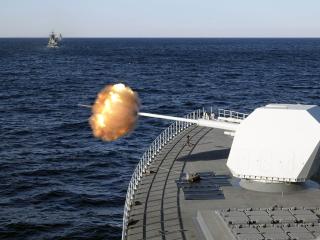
{"points": [[115, 112]]}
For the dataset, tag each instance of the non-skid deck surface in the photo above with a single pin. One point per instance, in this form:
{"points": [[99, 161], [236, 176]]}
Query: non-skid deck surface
{"points": [[169, 209], [159, 215]]}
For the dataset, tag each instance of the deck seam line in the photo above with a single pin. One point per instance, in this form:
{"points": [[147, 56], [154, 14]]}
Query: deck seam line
{"points": [[178, 190], [151, 183], [165, 184]]}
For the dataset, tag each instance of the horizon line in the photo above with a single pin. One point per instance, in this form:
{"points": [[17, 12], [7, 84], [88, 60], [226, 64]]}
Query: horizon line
{"points": [[249, 37]]}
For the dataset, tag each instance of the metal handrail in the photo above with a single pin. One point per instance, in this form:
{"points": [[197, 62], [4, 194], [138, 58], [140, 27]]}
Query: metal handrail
{"points": [[147, 158], [231, 114]]}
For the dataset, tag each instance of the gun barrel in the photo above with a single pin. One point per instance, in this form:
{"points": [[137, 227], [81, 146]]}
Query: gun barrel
{"points": [[228, 126], [152, 115]]}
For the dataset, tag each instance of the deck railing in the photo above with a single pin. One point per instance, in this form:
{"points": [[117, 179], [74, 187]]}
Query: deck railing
{"points": [[231, 114], [146, 160]]}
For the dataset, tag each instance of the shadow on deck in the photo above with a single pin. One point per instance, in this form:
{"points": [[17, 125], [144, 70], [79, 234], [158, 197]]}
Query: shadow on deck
{"points": [[207, 156]]}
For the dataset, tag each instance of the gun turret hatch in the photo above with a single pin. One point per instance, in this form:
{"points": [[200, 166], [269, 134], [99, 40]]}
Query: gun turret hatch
{"points": [[277, 143]]}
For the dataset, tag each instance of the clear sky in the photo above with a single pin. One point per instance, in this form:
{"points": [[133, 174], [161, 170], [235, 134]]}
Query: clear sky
{"points": [[160, 18]]}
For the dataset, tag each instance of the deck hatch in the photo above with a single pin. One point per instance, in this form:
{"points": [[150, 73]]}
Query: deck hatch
{"points": [[209, 187]]}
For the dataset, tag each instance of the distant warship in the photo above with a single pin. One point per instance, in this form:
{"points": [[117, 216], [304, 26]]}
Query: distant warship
{"points": [[229, 176], [54, 40]]}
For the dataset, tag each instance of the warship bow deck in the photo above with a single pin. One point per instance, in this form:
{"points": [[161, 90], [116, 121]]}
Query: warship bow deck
{"points": [[165, 206]]}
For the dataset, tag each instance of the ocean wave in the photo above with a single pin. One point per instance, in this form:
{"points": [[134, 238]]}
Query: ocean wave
{"points": [[65, 197], [51, 164], [30, 230], [100, 232]]}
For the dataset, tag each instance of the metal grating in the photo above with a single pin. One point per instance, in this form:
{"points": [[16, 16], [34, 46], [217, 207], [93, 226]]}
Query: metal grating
{"points": [[272, 223], [209, 187]]}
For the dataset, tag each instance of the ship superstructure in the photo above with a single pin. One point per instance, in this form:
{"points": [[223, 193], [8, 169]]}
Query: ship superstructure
{"points": [[54, 40]]}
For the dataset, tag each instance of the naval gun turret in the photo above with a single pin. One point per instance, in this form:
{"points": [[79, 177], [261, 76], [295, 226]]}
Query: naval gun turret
{"points": [[275, 146]]}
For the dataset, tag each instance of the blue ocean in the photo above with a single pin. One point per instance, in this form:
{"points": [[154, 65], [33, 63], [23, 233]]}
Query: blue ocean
{"points": [[56, 180]]}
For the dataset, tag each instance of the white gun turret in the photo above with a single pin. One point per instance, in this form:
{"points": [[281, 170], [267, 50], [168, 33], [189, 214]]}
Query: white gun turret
{"points": [[276, 143]]}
